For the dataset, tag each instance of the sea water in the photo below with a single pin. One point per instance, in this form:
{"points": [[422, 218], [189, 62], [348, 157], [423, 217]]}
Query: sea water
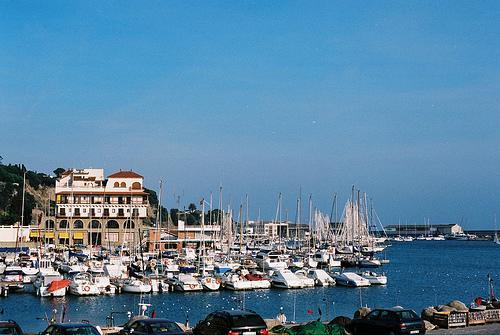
{"points": [[420, 274]]}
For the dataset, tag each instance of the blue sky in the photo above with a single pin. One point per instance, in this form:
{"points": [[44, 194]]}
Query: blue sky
{"points": [[399, 98]]}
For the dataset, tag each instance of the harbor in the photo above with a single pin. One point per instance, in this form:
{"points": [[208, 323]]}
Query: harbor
{"points": [[417, 263]]}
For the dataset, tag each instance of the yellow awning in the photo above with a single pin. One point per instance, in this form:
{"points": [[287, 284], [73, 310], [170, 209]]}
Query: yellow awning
{"points": [[79, 235], [34, 234], [49, 234], [63, 235]]}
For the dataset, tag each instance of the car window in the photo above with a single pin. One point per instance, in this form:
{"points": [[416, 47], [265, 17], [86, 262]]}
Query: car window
{"points": [[164, 327], [247, 320], [373, 315], [140, 327], [387, 315], [81, 331], [9, 331], [408, 315]]}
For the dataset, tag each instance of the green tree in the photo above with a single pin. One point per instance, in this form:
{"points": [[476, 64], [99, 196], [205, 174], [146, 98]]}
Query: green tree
{"points": [[58, 172]]}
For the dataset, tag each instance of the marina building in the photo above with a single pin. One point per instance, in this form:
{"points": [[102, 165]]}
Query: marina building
{"points": [[423, 229], [92, 209]]}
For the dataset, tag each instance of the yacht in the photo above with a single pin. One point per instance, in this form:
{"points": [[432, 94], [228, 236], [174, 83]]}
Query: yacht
{"points": [[258, 280], [351, 279], [210, 283], [285, 279], [320, 277], [271, 260], [236, 281], [82, 284], [306, 281], [374, 278], [51, 284], [102, 281], [135, 285], [185, 283]]}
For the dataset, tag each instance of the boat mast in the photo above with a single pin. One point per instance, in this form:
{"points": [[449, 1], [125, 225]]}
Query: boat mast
{"points": [[22, 209]]}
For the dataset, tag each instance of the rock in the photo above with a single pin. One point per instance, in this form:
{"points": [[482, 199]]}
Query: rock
{"points": [[343, 321], [445, 308], [429, 325], [428, 313], [458, 305], [362, 312], [271, 323]]}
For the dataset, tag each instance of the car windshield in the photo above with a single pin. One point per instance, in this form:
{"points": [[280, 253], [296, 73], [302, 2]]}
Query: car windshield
{"points": [[247, 320], [164, 327], [81, 331], [9, 331], [407, 315]]}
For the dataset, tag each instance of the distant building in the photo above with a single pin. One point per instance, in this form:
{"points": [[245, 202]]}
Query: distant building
{"points": [[91, 209], [426, 230]]}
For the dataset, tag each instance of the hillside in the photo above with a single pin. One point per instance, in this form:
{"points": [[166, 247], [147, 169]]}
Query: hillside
{"points": [[40, 193], [39, 189]]}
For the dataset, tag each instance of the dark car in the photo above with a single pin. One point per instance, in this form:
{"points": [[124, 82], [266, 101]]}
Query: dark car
{"points": [[152, 327], [70, 329], [391, 321], [10, 327], [232, 322]]}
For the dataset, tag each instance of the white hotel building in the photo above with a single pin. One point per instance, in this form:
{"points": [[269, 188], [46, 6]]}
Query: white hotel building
{"points": [[91, 209]]}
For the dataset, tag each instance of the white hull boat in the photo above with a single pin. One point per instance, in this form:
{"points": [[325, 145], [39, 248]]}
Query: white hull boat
{"points": [[135, 286], [321, 278], [285, 279], [306, 281], [351, 279], [186, 283], [374, 278]]}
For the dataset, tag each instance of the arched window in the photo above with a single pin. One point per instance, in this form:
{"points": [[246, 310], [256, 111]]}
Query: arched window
{"points": [[49, 224], [116, 184], [129, 224], [123, 184], [136, 185], [63, 224], [95, 224], [112, 224], [78, 224]]}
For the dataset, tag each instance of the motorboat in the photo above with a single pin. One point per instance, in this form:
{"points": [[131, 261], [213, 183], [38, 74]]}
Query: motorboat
{"points": [[374, 278], [136, 285], [236, 281], [210, 283], [321, 277], [369, 263], [351, 279], [258, 280], [102, 281], [185, 283], [13, 278], [51, 284], [285, 279], [82, 284], [306, 281], [271, 260]]}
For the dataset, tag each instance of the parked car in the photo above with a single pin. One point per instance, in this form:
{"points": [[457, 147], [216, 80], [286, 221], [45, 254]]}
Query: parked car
{"points": [[152, 327], [391, 321], [10, 327], [232, 322], [70, 329]]}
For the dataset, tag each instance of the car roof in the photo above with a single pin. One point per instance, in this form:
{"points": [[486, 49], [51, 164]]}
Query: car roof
{"points": [[72, 325], [232, 312], [155, 320], [393, 309], [8, 323]]}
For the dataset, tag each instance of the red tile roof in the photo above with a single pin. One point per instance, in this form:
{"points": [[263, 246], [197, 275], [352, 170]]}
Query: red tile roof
{"points": [[125, 174]]}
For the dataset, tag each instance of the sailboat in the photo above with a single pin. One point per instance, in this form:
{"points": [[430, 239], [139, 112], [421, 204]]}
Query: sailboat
{"points": [[496, 239]]}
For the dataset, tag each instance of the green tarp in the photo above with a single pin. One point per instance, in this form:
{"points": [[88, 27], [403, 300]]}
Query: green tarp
{"points": [[311, 328]]}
